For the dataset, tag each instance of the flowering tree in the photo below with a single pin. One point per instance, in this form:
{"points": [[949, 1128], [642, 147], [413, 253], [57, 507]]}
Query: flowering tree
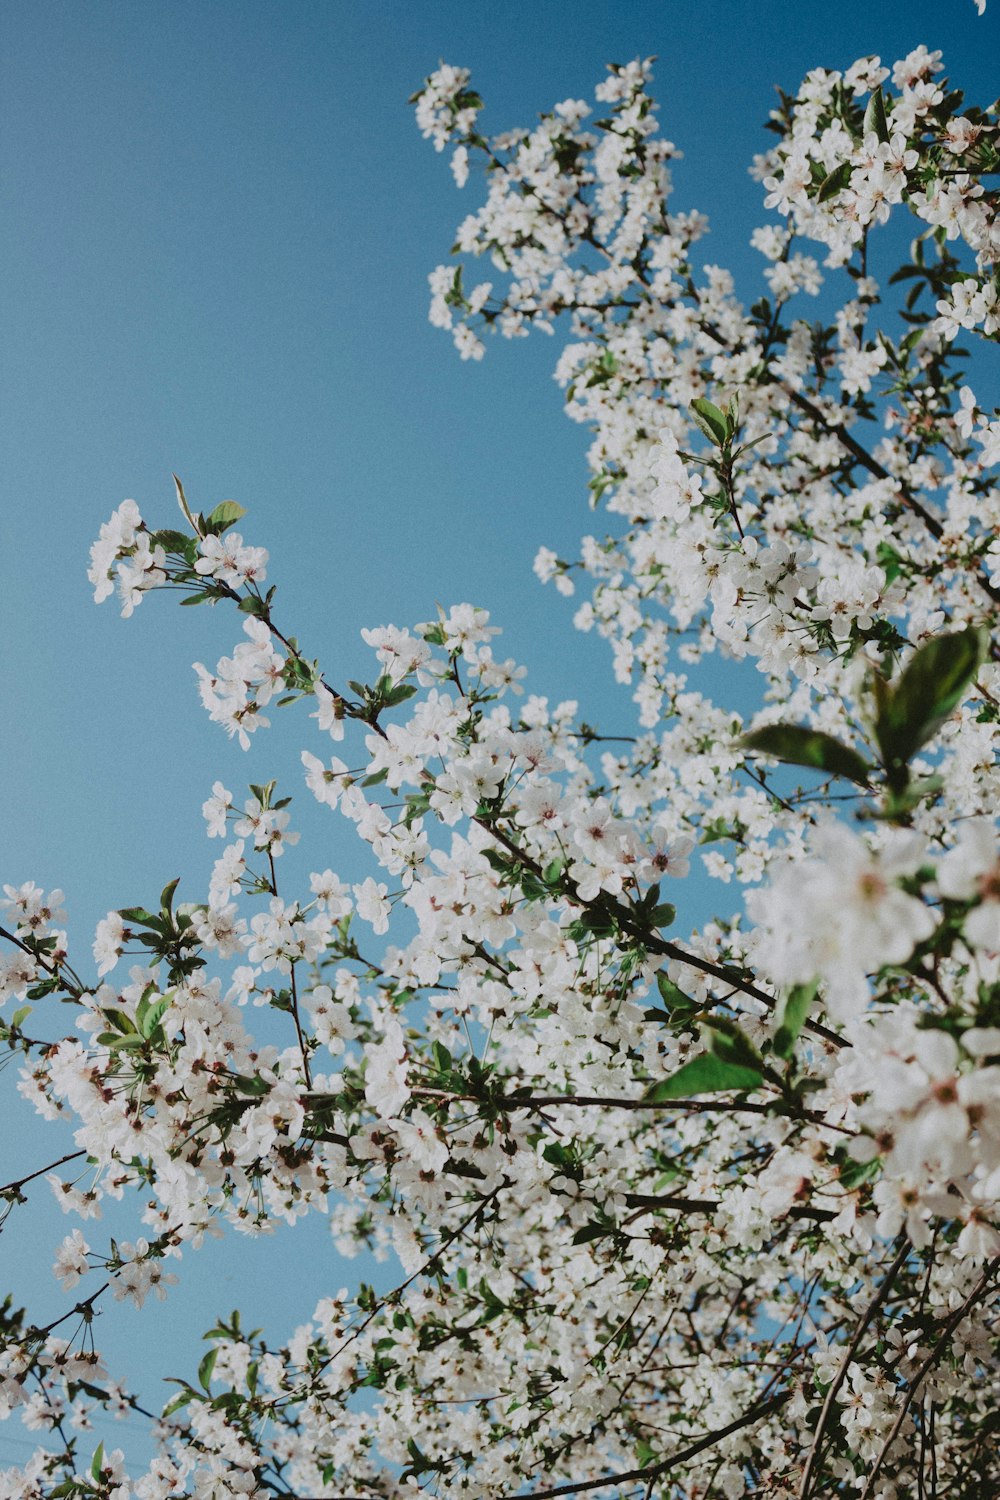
{"points": [[678, 1213]]}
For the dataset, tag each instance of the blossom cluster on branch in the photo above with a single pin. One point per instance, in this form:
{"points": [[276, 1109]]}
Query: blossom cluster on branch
{"points": [[678, 1213]]}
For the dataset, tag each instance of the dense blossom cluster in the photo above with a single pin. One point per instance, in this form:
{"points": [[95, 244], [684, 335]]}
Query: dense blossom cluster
{"points": [[700, 1215]]}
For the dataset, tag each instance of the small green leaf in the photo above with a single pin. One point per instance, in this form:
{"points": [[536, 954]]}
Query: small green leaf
{"points": [[853, 1173], [183, 1399], [730, 1044], [875, 120], [185, 511], [253, 1086], [673, 997], [597, 921], [890, 561], [97, 1462], [399, 694], [150, 1017], [791, 1016], [705, 1074], [176, 542], [206, 1367], [592, 1231], [933, 684], [798, 746], [224, 516], [711, 420], [138, 914], [117, 1042], [119, 1020], [167, 895], [834, 182]]}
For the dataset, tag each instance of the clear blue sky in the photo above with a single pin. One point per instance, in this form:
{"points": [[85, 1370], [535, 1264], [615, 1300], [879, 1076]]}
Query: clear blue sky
{"points": [[219, 221]]}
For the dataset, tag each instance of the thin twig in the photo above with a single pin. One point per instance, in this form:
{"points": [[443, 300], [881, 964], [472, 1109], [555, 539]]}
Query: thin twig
{"points": [[924, 1370], [756, 1414], [15, 1187], [880, 1296]]}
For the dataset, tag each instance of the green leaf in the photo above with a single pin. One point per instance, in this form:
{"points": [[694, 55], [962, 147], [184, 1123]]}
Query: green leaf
{"points": [[875, 120], [798, 746], [138, 914], [663, 915], [905, 800], [183, 1399], [834, 182], [176, 542], [20, 1016], [592, 1231], [121, 1022], [705, 1074], [853, 1173], [399, 694], [730, 1044], [890, 561], [185, 511], [253, 1086], [791, 1016], [906, 273], [150, 1016], [206, 1367], [97, 1462], [167, 895], [114, 1040], [597, 921], [224, 516], [931, 687], [711, 420], [673, 997]]}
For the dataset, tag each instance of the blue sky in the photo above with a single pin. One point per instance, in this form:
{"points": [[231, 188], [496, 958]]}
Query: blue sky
{"points": [[219, 223]]}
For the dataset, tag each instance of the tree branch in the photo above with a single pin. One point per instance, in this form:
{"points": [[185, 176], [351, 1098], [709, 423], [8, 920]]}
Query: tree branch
{"points": [[880, 1296], [756, 1414]]}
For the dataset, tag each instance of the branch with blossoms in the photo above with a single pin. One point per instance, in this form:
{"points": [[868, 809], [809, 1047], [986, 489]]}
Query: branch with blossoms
{"points": [[685, 1209]]}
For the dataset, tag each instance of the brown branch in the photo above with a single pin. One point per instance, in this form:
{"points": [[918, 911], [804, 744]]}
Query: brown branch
{"points": [[76, 990], [836, 429], [880, 1296], [652, 1471], [15, 1187], [709, 1205], [512, 1102], [928, 1364], [480, 1208], [85, 1309], [626, 918]]}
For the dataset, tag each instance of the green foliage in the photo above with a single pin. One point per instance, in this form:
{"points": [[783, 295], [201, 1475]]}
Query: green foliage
{"points": [[792, 1014], [931, 687], [704, 1074], [875, 120], [798, 746]]}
